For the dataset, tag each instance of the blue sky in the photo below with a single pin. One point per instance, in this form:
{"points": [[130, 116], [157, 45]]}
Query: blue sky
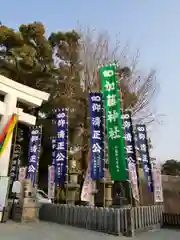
{"points": [[150, 26]]}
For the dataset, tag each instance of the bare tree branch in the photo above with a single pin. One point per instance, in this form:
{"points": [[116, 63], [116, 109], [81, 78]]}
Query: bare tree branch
{"points": [[138, 92]]}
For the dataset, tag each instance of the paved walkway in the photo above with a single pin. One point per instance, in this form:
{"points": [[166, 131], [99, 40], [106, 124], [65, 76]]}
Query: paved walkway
{"points": [[50, 231], [162, 234]]}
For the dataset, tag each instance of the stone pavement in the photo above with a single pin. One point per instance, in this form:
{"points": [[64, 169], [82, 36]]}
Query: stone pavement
{"points": [[51, 231]]}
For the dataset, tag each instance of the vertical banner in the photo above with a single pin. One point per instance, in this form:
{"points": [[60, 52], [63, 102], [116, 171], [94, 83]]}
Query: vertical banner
{"points": [[97, 136], [22, 173], [157, 181], [114, 124], [131, 154], [51, 186], [142, 144], [52, 170], [53, 144], [61, 146], [87, 187], [34, 149], [15, 163]]}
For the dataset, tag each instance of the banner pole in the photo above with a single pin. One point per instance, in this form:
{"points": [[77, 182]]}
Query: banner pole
{"points": [[140, 183], [141, 134], [129, 182], [138, 167]]}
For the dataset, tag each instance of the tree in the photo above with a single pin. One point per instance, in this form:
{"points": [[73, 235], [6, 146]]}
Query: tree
{"points": [[171, 167], [29, 57], [52, 65], [137, 91], [26, 57], [47, 64], [73, 97], [66, 65]]}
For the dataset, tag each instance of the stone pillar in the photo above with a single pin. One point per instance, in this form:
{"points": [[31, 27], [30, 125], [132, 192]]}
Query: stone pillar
{"points": [[93, 192], [10, 102], [30, 207], [108, 191], [72, 185], [108, 188]]}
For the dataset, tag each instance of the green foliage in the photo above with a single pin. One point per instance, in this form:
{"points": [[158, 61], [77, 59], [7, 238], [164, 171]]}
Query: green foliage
{"points": [[171, 167], [26, 55]]}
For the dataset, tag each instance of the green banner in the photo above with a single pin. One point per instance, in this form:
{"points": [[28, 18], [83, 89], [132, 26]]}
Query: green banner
{"points": [[114, 124]]}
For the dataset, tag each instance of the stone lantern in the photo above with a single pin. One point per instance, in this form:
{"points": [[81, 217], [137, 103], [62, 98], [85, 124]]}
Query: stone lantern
{"points": [[108, 187], [72, 184]]}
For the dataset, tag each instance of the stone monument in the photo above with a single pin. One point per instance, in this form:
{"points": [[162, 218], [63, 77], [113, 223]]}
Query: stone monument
{"points": [[108, 187], [72, 185], [30, 207]]}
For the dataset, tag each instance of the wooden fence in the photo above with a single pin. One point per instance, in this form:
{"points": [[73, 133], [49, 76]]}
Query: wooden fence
{"points": [[125, 221], [146, 218], [171, 220]]}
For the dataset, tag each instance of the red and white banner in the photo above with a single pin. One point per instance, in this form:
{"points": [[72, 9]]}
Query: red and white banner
{"points": [[134, 181], [157, 182], [51, 184], [87, 188]]}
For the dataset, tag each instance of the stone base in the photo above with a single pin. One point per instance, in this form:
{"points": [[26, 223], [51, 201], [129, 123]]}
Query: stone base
{"points": [[108, 193], [30, 211], [4, 215], [30, 201], [92, 200], [108, 203], [72, 186], [71, 192], [1, 216], [30, 214]]}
